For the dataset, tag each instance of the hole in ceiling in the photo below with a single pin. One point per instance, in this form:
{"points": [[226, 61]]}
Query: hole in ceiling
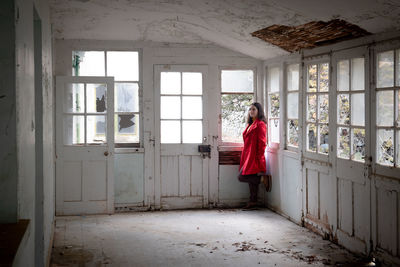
{"points": [[310, 35]]}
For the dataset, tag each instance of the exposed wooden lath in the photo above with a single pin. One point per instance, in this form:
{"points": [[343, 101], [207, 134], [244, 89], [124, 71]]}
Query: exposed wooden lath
{"points": [[309, 35]]}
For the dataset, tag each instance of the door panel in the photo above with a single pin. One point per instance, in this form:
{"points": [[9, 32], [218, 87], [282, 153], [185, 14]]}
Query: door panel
{"points": [[84, 145]]}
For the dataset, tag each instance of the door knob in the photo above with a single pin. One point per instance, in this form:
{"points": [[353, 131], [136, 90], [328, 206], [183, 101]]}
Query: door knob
{"points": [[106, 153]]}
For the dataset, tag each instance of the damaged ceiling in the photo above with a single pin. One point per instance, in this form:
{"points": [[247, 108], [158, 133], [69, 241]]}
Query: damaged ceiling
{"points": [[226, 23]]}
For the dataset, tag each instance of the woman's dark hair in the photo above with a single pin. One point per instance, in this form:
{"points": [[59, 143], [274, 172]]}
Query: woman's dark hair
{"points": [[260, 113]]}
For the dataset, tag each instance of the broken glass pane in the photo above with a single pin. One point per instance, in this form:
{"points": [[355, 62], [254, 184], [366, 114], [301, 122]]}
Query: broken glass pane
{"points": [[123, 65], [357, 110], [293, 105], [192, 132], [170, 83], [385, 70], [192, 107], [192, 83], [385, 147], [274, 105], [126, 97], [343, 144], [324, 77], [358, 148], [74, 98], [293, 77], [238, 81], [323, 139], [126, 128], [343, 116], [312, 78], [343, 75], [170, 132], [170, 107], [234, 110], [311, 107], [96, 98], [323, 108], [293, 133], [273, 80], [311, 137], [274, 125], [88, 63], [74, 130], [357, 74], [96, 129], [385, 105]]}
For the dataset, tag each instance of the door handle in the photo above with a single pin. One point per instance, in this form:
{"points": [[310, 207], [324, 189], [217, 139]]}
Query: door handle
{"points": [[106, 153]]}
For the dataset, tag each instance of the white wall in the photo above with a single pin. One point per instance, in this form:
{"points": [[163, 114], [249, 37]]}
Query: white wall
{"points": [[158, 53]]}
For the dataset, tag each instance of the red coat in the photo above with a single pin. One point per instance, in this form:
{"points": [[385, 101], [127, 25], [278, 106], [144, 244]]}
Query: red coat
{"points": [[252, 160]]}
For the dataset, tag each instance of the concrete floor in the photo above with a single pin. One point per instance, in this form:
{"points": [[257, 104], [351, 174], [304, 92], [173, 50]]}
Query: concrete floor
{"points": [[192, 238]]}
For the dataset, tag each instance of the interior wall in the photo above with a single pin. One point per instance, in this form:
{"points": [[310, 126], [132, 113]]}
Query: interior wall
{"points": [[348, 203], [154, 54], [25, 126]]}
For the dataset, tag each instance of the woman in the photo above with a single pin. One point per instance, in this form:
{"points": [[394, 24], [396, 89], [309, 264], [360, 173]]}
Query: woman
{"points": [[252, 161]]}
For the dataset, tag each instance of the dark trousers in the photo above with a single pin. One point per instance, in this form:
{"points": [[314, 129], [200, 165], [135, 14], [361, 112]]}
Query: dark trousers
{"points": [[254, 181]]}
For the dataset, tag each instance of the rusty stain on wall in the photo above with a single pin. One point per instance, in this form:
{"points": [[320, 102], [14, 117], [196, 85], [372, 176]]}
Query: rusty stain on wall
{"points": [[310, 35]]}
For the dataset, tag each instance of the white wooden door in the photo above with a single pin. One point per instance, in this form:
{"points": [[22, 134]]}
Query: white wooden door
{"points": [[84, 145], [181, 126], [352, 146]]}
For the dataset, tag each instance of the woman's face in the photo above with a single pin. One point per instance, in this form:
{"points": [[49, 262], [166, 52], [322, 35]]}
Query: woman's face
{"points": [[253, 112]]}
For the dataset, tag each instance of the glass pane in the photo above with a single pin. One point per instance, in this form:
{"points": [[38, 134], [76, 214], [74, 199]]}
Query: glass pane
{"points": [[274, 105], [237, 81], [293, 133], [357, 74], [74, 97], [96, 98], [273, 80], [311, 107], [293, 105], [74, 130], [170, 132], [358, 148], [170, 83], [323, 139], [357, 110], [126, 128], [274, 124], [385, 70], [170, 107], [323, 108], [192, 83], [343, 75], [192, 107], [398, 150], [312, 78], [385, 105], [123, 65], [343, 116], [96, 129], [192, 132], [343, 143], [88, 63], [293, 77], [126, 97], [324, 77], [385, 147], [311, 137], [233, 115]]}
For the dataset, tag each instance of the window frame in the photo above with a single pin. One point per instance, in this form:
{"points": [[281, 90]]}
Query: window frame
{"points": [[233, 145], [390, 171], [316, 60], [139, 83], [282, 134], [299, 114]]}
